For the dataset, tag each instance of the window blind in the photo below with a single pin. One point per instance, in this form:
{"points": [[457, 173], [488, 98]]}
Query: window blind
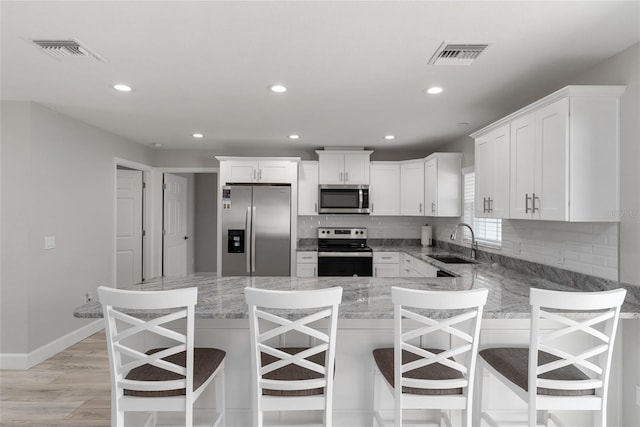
{"points": [[487, 230]]}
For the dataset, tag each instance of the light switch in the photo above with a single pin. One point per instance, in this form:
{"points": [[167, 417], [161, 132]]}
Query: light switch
{"points": [[49, 242]]}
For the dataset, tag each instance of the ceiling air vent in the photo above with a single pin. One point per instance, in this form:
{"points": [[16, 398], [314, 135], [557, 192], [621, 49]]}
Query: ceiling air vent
{"points": [[457, 53], [66, 49]]}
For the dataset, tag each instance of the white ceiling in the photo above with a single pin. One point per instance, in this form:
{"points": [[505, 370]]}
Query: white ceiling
{"points": [[356, 71]]}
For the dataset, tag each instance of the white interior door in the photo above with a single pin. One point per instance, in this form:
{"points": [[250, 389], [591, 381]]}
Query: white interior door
{"points": [[128, 227], [175, 226]]}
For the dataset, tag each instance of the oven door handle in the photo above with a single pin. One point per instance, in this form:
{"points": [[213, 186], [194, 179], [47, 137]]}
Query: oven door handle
{"points": [[345, 254]]}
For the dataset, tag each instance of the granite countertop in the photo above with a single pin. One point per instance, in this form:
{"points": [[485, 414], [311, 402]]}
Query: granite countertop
{"points": [[370, 297]]}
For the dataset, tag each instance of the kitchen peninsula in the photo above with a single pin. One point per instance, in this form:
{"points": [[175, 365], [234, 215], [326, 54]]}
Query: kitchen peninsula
{"points": [[365, 320]]}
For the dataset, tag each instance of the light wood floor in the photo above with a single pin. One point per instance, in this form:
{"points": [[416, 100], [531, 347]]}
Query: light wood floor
{"points": [[69, 389]]}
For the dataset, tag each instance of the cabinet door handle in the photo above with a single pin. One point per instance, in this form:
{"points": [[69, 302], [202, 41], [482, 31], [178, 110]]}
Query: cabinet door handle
{"points": [[255, 174], [371, 207], [420, 208], [433, 207], [315, 273], [484, 205], [386, 257], [490, 204], [346, 177], [375, 272], [316, 208], [341, 175], [259, 174], [533, 205], [526, 203]]}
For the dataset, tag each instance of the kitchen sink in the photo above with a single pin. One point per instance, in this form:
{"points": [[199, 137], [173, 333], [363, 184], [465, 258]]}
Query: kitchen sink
{"points": [[451, 259]]}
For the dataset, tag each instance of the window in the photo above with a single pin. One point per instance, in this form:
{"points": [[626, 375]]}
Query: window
{"points": [[488, 231]]}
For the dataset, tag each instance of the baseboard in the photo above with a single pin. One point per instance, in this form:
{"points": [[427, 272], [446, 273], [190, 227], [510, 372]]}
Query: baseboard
{"points": [[28, 360]]}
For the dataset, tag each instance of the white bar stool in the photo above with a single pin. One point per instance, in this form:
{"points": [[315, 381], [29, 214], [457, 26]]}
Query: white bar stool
{"points": [[562, 380], [430, 378], [292, 378], [162, 379]]}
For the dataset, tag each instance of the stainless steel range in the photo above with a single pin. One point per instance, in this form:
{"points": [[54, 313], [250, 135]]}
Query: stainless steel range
{"points": [[344, 252]]}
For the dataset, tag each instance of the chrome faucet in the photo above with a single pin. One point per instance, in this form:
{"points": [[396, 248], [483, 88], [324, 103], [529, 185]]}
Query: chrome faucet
{"points": [[474, 244]]}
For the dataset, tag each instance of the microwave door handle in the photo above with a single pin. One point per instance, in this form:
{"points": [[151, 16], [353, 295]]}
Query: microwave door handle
{"points": [[360, 197]]}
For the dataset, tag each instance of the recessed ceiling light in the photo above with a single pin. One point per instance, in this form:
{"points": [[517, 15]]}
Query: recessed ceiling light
{"points": [[294, 136], [198, 135], [462, 124], [122, 87], [434, 90], [390, 137], [157, 144], [277, 88]]}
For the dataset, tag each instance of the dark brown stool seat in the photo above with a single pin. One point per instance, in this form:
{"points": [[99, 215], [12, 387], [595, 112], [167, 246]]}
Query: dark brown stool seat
{"points": [[513, 364], [436, 371], [205, 363]]}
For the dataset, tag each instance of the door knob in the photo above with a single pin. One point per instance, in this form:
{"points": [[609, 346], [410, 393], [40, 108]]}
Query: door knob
{"points": [[186, 238]]}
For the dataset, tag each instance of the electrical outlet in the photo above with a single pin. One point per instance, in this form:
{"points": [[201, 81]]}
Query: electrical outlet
{"points": [[88, 297], [49, 242]]}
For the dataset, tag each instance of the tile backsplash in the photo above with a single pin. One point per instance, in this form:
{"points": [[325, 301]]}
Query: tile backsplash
{"points": [[378, 227], [589, 248]]}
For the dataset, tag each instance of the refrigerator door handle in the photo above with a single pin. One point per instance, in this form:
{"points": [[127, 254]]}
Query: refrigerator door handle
{"points": [[247, 222], [253, 240]]}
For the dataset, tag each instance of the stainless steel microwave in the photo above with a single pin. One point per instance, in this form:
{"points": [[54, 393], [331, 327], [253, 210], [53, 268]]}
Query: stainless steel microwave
{"points": [[343, 199]]}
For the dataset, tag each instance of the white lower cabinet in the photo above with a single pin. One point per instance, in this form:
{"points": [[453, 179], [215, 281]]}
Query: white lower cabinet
{"points": [[307, 264], [413, 267], [386, 264]]}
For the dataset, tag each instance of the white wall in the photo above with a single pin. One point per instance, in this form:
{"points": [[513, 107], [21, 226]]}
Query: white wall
{"points": [[58, 179], [16, 155]]}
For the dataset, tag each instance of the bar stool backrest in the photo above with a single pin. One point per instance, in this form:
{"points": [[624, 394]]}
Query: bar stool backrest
{"points": [[268, 327], [595, 314], [468, 306]]}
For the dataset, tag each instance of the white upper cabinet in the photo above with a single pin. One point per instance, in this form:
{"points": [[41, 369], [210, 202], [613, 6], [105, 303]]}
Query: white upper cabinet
{"points": [[564, 159], [343, 167], [242, 170], [308, 188], [273, 171], [492, 174], [442, 185], [412, 188], [522, 166], [384, 191], [538, 163]]}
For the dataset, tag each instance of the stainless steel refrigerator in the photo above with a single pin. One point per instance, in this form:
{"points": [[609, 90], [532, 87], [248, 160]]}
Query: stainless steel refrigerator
{"points": [[256, 230]]}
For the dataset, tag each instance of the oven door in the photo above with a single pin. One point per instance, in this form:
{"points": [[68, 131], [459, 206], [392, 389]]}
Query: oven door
{"points": [[345, 264]]}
